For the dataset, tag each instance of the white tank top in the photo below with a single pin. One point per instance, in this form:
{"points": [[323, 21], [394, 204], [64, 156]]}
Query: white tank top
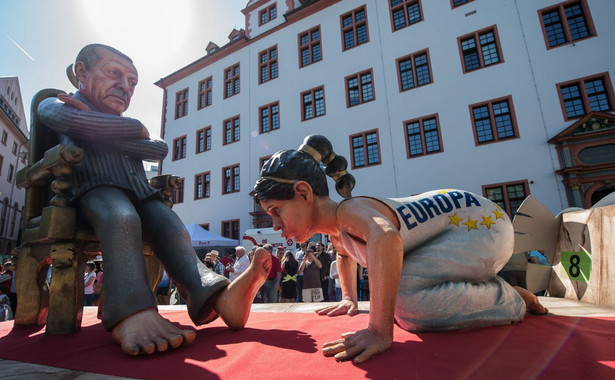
{"points": [[423, 217]]}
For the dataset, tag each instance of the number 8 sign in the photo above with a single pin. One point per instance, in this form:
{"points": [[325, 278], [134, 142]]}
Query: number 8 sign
{"points": [[578, 265]]}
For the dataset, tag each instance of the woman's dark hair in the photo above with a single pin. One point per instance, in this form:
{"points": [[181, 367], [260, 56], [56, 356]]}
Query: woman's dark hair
{"points": [[286, 167], [289, 262]]}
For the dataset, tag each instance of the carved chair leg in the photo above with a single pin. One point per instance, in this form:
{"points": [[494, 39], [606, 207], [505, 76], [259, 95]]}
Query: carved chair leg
{"points": [[66, 292], [31, 298]]}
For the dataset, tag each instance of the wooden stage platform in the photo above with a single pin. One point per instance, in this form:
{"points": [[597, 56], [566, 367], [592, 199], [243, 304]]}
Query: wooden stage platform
{"points": [[22, 370]]}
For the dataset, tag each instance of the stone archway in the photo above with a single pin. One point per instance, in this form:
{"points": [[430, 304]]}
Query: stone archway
{"points": [[600, 193]]}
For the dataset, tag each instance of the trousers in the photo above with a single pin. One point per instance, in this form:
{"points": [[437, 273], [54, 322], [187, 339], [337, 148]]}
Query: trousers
{"points": [[270, 295], [122, 223]]}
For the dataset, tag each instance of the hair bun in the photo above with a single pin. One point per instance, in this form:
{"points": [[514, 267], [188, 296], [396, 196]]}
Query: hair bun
{"points": [[321, 150], [319, 147], [345, 184], [337, 167]]}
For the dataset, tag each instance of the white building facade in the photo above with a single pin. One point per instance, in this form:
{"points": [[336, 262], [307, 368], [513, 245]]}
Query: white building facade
{"points": [[417, 95], [13, 155]]}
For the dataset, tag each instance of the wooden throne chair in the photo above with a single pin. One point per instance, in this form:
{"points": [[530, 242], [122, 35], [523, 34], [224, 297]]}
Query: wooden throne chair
{"points": [[53, 235]]}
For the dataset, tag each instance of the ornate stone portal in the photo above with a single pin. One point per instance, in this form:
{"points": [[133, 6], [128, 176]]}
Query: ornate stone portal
{"points": [[586, 151]]}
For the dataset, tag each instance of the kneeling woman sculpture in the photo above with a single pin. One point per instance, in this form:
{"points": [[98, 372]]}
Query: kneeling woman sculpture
{"points": [[432, 258]]}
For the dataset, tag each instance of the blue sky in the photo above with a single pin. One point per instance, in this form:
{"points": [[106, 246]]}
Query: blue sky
{"points": [[40, 38]]}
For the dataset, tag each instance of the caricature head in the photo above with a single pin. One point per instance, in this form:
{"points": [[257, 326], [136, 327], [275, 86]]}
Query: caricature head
{"points": [[285, 168], [296, 175], [107, 77]]}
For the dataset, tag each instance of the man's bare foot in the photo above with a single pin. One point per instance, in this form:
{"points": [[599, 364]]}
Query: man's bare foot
{"points": [[147, 332], [531, 301], [235, 302]]}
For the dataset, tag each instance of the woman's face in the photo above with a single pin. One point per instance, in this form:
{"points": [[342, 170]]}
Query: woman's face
{"points": [[292, 216]]}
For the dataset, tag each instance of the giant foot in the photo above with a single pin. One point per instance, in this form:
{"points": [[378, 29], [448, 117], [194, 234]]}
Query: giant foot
{"points": [[147, 332]]}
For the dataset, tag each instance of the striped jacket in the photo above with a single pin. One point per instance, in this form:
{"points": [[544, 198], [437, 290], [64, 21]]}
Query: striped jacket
{"points": [[112, 147]]}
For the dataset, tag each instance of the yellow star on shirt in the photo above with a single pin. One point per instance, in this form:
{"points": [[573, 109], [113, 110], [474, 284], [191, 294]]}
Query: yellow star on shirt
{"points": [[498, 214], [487, 222], [455, 219], [471, 224]]}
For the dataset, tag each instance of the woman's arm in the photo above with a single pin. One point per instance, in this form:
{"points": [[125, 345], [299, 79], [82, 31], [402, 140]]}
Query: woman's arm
{"points": [[376, 224], [302, 266], [318, 263]]}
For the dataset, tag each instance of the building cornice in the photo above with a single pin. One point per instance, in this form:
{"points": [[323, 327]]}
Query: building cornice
{"points": [[592, 125], [583, 169]]}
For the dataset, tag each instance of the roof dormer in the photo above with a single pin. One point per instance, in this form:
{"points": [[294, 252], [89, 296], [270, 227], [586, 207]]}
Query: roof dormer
{"points": [[236, 35], [211, 47]]}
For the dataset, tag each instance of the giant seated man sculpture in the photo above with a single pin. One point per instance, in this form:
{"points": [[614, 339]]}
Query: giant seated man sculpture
{"points": [[99, 164]]}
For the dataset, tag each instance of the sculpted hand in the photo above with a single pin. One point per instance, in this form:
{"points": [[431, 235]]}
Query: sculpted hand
{"points": [[144, 132], [360, 345], [343, 307], [67, 99]]}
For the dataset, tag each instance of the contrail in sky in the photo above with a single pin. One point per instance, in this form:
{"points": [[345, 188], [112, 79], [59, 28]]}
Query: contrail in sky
{"points": [[20, 48]]}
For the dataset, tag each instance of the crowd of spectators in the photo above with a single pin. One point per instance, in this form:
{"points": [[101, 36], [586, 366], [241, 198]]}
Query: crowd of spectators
{"points": [[306, 274], [284, 284], [8, 297]]}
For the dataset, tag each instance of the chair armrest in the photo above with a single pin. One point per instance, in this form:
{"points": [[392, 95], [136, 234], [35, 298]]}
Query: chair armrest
{"points": [[57, 161], [166, 183], [48, 177]]}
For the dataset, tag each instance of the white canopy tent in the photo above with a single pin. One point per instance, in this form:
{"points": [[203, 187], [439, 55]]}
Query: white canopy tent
{"points": [[201, 238]]}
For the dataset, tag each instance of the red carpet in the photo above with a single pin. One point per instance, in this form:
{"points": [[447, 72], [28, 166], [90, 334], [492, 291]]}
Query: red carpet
{"points": [[287, 346]]}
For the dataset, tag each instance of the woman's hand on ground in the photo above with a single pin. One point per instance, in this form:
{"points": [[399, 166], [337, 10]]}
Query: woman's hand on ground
{"points": [[360, 345], [343, 307]]}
